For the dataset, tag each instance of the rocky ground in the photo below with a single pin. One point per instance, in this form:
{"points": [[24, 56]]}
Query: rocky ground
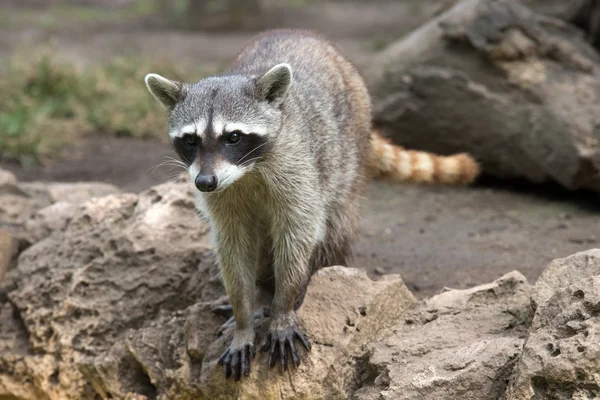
{"points": [[111, 295]]}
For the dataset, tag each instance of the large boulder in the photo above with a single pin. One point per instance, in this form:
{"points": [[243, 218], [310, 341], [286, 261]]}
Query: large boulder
{"points": [[561, 357], [84, 300], [518, 90]]}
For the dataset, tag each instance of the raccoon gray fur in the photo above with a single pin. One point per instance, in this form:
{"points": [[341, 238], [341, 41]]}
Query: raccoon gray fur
{"points": [[279, 147]]}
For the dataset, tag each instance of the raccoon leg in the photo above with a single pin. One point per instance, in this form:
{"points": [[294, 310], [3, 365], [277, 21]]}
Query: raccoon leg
{"points": [[237, 258], [283, 329], [293, 246]]}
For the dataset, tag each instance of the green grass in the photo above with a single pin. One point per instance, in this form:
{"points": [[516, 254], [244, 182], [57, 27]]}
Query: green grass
{"points": [[47, 104], [61, 13]]}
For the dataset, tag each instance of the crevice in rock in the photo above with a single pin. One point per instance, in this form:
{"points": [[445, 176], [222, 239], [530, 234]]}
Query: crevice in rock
{"points": [[13, 328], [135, 377], [545, 388], [368, 375]]}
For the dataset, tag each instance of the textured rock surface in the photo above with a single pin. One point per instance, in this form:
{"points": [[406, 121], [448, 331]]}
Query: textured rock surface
{"points": [[519, 91], [343, 311], [461, 344], [561, 357], [116, 297], [563, 272], [8, 250], [20, 201], [120, 263]]}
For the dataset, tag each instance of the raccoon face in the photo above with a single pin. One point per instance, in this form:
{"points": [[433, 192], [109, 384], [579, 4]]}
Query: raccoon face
{"points": [[222, 126]]}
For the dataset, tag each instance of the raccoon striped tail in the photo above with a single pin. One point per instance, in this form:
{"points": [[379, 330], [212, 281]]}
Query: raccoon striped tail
{"points": [[390, 162]]}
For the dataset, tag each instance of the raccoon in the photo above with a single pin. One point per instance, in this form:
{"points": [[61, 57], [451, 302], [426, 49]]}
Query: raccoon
{"points": [[280, 146]]}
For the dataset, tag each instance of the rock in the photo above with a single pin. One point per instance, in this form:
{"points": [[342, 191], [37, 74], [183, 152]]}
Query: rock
{"points": [[20, 201], [42, 223], [115, 299], [563, 272], [339, 327], [461, 344], [91, 294], [561, 357], [7, 181], [69, 192], [8, 251], [15, 203], [582, 13], [518, 90]]}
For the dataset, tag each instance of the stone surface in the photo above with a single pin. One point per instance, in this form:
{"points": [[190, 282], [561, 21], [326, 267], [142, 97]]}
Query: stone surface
{"points": [[561, 357], [15, 203], [342, 312], [68, 192], [518, 90], [115, 298], [20, 201], [563, 272], [120, 263], [8, 250], [7, 180], [461, 344]]}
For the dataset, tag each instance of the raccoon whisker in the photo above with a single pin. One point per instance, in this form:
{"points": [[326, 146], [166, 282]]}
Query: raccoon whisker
{"points": [[247, 162], [182, 156], [167, 163], [155, 167], [173, 177], [254, 149], [176, 161], [174, 165]]}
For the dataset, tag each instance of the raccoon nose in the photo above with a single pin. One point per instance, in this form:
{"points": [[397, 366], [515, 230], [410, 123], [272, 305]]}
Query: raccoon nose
{"points": [[206, 183]]}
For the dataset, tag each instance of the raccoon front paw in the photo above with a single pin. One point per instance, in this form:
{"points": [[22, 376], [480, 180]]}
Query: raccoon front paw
{"points": [[280, 344], [236, 361]]}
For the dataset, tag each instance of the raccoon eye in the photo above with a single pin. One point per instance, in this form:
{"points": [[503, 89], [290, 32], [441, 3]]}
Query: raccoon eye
{"points": [[234, 137], [191, 140]]}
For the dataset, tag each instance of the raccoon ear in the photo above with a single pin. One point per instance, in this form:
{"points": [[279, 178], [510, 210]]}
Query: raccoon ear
{"points": [[274, 84], [167, 92]]}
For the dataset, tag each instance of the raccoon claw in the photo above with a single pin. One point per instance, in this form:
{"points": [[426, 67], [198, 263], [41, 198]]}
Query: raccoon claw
{"points": [[280, 344], [236, 362], [225, 310]]}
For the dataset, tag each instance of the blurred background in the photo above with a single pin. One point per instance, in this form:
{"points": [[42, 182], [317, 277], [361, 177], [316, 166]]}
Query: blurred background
{"points": [[73, 107], [72, 70]]}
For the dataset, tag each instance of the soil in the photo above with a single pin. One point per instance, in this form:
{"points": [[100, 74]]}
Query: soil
{"points": [[434, 236]]}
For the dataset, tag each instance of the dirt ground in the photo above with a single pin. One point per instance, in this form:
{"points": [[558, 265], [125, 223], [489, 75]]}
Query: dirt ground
{"points": [[434, 236]]}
